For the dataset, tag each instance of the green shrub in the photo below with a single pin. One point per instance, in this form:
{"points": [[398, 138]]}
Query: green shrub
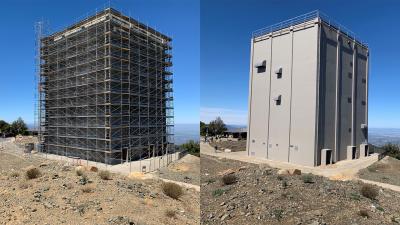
{"points": [[308, 178], [172, 190], [192, 147], [218, 192], [369, 191], [392, 150]]}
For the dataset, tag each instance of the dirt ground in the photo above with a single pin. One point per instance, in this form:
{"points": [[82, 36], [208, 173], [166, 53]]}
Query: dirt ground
{"points": [[234, 146], [185, 170], [59, 196], [386, 170], [261, 196]]}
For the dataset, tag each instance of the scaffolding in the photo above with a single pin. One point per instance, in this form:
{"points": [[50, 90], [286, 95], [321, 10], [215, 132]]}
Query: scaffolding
{"points": [[105, 90]]}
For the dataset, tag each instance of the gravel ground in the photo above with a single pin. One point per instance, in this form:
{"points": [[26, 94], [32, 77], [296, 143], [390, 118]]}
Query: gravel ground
{"points": [[261, 196], [234, 146], [59, 196], [386, 170], [185, 170]]}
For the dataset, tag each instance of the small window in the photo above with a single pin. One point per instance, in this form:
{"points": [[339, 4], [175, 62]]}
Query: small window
{"points": [[363, 102], [364, 80], [261, 66], [351, 64], [278, 73], [349, 130], [278, 100], [349, 100]]}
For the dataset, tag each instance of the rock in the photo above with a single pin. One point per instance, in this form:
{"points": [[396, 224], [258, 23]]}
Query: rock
{"points": [[225, 216], [227, 150], [242, 168], [396, 220], [226, 172], [294, 171], [282, 172], [93, 169]]}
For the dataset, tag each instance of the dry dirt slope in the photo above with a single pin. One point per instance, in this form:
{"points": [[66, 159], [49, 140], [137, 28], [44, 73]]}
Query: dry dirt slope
{"points": [[260, 196], [58, 197]]}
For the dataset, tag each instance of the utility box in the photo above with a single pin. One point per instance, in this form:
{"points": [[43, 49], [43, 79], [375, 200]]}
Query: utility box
{"points": [[308, 91]]}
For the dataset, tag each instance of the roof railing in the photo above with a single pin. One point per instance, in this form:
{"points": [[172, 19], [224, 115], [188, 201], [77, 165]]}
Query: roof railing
{"points": [[305, 18]]}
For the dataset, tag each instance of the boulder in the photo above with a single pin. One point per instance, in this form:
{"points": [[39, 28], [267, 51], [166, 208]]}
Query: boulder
{"points": [[283, 172], [294, 171]]}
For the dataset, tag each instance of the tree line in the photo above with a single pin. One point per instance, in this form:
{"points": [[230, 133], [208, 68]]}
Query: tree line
{"points": [[11, 130], [215, 127]]}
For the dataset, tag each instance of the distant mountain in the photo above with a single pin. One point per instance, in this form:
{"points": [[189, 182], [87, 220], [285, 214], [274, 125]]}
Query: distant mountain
{"points": [[186, 132], [381, 136]]}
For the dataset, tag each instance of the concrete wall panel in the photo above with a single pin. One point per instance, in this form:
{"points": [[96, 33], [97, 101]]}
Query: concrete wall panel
{"points": [[279, 118], [361, 96], [304, 91], [345, 93], [327, 93], [259, 100]]}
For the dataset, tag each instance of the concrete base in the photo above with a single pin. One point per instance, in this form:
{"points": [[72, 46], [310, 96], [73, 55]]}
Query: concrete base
{"points": [[326, 156], [351, 152], [364, 150]]}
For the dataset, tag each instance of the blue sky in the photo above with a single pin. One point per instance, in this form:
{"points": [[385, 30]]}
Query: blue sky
{"points": [[226, 28], [179, 19]]}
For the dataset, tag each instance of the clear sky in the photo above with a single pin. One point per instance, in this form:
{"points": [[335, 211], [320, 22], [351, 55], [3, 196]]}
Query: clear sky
{"points": [[179, 19], [226, 28]]}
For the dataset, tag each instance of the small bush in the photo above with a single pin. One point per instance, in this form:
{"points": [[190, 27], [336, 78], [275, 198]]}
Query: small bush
{"points": [[83, 180], [285, 184], [308, 178], [14, 174], [79, 171], [364, 213], [87, 189], [104, 175], [170, 213], [355, 196], [280, 177], [229, 179], [32, 173], [218, 192], [278, 214], [172, 190], [380, 208], [369, 191]]}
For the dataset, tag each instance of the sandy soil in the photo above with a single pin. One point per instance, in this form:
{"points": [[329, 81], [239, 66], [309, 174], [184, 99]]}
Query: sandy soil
{"points": [[185, 170], [58, 197], [261, 196], [386, 170]]}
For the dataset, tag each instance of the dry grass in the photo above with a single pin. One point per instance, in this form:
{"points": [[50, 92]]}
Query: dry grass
{"points": [[14, 174], [229, 179], [104, 175], [172, 190], [170, 213], [87, 189], [364, 213], [369, 191], [32, 173], [79, 171], [25, 185]]}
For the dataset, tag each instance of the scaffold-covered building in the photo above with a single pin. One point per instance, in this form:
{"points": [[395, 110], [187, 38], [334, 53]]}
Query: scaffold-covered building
{"points": [[105, 90]]}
